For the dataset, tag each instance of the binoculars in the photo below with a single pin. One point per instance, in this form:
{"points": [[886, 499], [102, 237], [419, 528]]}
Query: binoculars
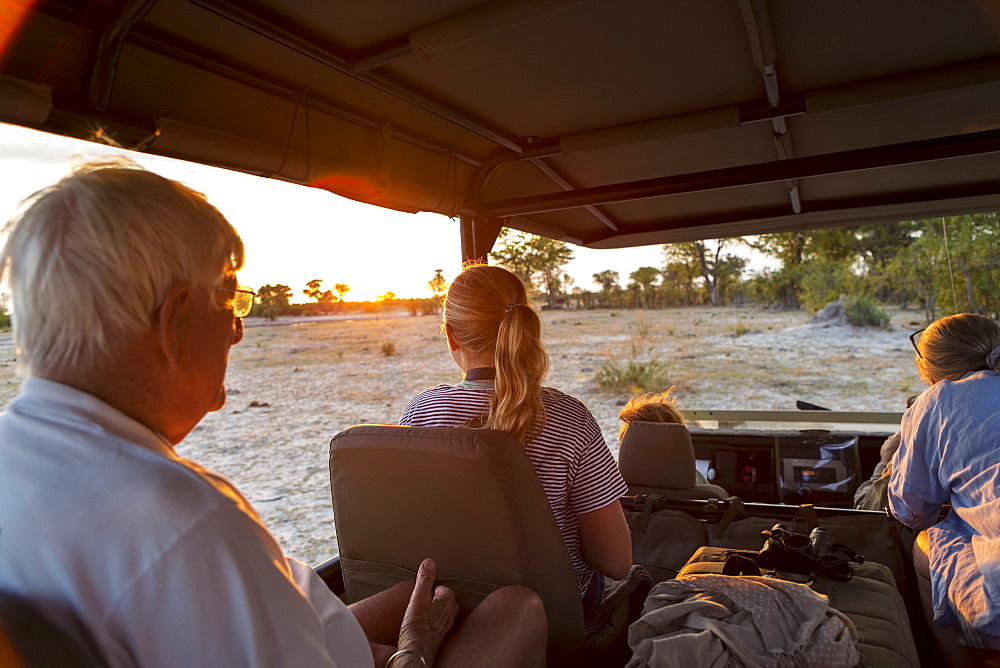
{"points": [[789, 551]]}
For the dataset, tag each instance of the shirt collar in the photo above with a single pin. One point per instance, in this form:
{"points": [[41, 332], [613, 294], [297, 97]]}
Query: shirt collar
{"points": [[75, 404]]}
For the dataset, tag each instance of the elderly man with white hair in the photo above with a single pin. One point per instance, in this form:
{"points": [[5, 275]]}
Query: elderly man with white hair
{"points": [[125, 306]]}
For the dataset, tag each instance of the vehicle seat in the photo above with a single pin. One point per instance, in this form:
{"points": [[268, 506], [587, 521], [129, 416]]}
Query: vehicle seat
{"points": [[658, 458], [470, 499], [29, 639]]}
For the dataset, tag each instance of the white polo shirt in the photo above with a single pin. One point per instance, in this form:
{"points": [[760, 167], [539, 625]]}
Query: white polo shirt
{"points": [[164, 562]]}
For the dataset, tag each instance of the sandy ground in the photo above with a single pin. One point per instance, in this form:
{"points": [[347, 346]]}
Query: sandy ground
{"points": [[293, 385]]}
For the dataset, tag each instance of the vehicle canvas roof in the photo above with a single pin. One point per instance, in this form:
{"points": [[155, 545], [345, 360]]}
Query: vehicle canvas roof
{"points": [[605, 124]]}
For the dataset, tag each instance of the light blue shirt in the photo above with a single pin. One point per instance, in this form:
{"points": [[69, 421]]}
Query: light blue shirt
{"points": [[950, 453]]}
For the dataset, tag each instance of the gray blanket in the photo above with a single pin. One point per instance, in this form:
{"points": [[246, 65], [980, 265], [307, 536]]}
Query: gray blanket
{"points": [[725, 621]]}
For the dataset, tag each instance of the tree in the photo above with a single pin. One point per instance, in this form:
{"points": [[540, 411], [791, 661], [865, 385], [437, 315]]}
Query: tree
{"points": [[709, 264], [646, 278], [341, 289], [952, 264], [781, 287], [4, 311], [314, 291], [608, 280], [916, 267], [677, 287], [439, 287], [272, 301], [533, 258], [382, 300]]}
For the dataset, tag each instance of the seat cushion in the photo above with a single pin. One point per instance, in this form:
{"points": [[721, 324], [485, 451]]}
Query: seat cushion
{"points": [[870, 599]]}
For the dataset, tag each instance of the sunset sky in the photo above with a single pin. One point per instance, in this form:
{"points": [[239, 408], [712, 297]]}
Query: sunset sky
{"points": [[294, 234]]}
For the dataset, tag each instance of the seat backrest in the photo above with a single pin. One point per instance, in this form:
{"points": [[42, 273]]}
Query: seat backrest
{"points": [[470, 499], [658, 458]]}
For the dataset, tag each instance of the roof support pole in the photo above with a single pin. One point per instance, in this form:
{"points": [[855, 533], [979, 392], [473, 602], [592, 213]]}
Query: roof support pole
{"points": [[478, 236], [108, 47], [765, 54], [925, 150]]}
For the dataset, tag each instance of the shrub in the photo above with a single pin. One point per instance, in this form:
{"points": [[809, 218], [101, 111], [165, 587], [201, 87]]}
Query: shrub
{"points": [[389, 348], [643, 327], [634, 376], [863, 312]]}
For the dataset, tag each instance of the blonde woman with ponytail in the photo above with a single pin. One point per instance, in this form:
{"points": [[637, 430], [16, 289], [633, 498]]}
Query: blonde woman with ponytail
{"points": [[494, 336], [949, 453]]}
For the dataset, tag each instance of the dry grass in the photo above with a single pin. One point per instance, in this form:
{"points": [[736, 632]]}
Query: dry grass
{"points": [[311, 380]]}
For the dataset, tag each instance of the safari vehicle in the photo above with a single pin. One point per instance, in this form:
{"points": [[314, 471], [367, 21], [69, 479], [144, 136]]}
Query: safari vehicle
{"points": [[602, 124]]}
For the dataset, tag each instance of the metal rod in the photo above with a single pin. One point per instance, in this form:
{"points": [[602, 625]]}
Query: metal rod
{"points": [[107, 49], [383, 53], [820, 165], [568, 187]]}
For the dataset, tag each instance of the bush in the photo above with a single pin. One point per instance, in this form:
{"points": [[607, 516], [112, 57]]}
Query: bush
{"points": [[863, 312], [643, 327], [389, 348], [634, 377]]}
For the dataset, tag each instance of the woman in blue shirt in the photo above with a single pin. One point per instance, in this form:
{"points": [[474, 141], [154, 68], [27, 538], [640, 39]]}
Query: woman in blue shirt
{"points": [[950, 453]]}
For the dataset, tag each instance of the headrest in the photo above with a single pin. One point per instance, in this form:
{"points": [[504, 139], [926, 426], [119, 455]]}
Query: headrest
{"points": [[657, 454]]}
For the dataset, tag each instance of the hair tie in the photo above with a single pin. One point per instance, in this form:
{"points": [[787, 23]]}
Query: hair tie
{"points": [[510, 307], [993, 358]]}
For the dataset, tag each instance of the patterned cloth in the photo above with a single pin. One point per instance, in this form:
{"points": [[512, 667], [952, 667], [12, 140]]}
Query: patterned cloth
{"points": [[573, 463], [950, 453], [718, 621]]}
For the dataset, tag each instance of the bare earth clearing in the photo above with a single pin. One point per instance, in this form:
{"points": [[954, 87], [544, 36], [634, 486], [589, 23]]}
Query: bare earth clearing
{"points": [[293, 385]]}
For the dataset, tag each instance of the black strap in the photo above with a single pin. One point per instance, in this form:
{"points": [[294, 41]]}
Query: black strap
{"points": [[481, 373], [648, 506], [735, 509]]}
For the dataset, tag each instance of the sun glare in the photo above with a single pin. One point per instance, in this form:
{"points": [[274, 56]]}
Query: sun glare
{"points": [[12, 13], [295, 234]]}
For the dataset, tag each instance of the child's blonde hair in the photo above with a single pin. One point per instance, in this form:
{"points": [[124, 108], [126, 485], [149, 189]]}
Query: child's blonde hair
{"points": [[650, 407]]}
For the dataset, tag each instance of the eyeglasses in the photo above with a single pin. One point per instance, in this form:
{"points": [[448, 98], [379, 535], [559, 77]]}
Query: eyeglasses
{"points": [[913, 340], [242, 300]]}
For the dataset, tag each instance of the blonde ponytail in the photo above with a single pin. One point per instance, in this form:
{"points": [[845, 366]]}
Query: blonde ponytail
{"points": [[487, 308]]}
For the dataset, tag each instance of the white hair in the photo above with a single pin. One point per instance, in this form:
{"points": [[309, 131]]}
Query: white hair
{"points": [[91, 258]]}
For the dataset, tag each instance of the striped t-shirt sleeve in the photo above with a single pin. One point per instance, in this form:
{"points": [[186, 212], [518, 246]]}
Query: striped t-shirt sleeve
{"points": [[595, 480]]}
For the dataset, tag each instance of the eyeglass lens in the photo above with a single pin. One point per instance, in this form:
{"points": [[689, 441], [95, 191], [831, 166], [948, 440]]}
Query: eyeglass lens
{"points": [[242, 301]]}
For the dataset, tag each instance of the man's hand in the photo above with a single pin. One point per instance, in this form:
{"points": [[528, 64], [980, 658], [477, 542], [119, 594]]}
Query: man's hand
{"points": [[889, 447], [428, 618]]}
